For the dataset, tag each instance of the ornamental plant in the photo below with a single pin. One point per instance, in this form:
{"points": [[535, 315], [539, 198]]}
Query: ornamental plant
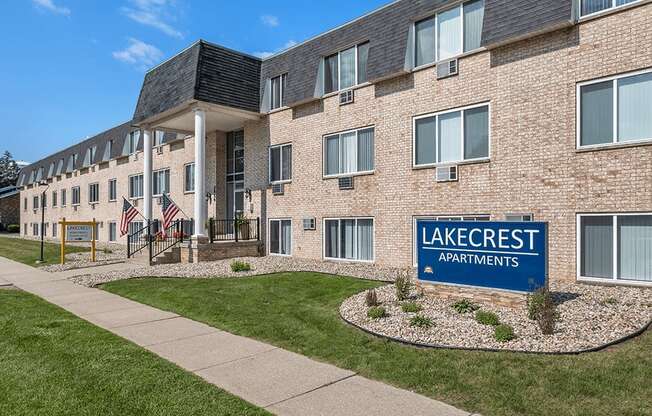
{"points": [[504, 333], [464, 306], [411, 307], [421, 322], [403, 285], [376, 312], [487, 318], [371, 298], [240, 266], [541, 308]]}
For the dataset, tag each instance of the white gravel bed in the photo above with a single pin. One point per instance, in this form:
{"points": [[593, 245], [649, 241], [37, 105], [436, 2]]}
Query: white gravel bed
{"points": [[589, 317], [260, 265], [104, 254]]}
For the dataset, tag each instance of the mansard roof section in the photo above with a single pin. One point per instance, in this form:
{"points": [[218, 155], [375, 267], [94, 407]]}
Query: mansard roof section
{"points": [[511, 20], [388, 31], [203, 72]]}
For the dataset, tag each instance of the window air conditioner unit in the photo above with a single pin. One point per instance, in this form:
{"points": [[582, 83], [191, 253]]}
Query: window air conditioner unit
{"points": [[159, 150], [278, 189], [447, 69], [309, 224], [446, 174], [346, 97], [345, 183]]}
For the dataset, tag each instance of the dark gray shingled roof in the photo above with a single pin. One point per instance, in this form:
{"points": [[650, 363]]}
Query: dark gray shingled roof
{"points": [[204, 72]]}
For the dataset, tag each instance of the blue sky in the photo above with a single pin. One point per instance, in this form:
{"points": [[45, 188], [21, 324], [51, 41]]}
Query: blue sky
{"points": [[73, 68]]}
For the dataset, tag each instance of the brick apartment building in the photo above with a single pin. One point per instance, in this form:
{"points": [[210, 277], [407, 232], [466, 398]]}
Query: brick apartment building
{"points": [[482, 110]]}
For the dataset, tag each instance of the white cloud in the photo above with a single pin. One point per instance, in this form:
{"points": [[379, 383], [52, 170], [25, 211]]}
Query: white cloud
{"points": [[267, 54], [139, 53], [269, 20], [50, 6], [154, 13]]}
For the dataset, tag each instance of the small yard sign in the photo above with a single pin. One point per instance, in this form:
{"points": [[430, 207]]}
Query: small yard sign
{"points": [[497, 255], [77, 232]]}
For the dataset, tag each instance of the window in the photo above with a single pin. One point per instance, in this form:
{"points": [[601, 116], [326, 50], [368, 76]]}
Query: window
{"points": [[35, 229], [133, 141], [349, 239], [594, 6], [280, 163], [452, 136], [113, 189], [54, 199], [279, 84], [158, 138], [349, 152], [136, 186], [25, 205], [615, 110], [93, 193], [109, 150], [135, 226], [617, 247], [54, 229], [449, 33], [45, 229], [35, 202], [44, 200], [161, 183], [346, 69], [93, 152], [63, 197], [75, 195], [112, 231], [280, 237], [519, 217], [189, 178], [25, 228]]}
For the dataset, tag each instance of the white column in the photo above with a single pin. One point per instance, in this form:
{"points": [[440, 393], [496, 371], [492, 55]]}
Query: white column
{"points": [[147, 174], [201, 205]]}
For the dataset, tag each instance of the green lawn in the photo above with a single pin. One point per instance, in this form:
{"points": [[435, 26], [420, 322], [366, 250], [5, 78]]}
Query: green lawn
{"points": [[299, 312], [28, 251], [52, 363]]}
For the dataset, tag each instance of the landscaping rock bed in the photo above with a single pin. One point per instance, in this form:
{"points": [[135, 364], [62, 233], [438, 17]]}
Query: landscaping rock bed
{"points": [[589, 317], [259, 265], [109, 254]]}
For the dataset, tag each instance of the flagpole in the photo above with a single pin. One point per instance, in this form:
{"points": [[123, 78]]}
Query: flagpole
{"points": [[125, 199], [182, 211]]}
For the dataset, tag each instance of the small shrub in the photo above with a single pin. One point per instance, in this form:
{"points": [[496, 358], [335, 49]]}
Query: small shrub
{"points": [[535, 303], [487, 318], [376, 312], [610, 301], [421, 321], [411, 307], [541, 308], [371, 298], [465, 306], [13, 228], [504, 333], [240, 266], [403, 285]]}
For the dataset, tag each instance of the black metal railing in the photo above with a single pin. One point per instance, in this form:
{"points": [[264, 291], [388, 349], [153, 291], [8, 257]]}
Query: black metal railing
{"points": [[164, 240], [138, 240], [238, 229]]}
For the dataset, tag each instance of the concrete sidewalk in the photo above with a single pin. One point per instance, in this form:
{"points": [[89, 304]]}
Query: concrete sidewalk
{"points": [[280, 381]]}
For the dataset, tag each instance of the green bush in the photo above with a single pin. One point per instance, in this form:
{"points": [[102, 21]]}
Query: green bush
{"points": [[541, 308], [411, 307], [13, 228], [535, 303], [465, 306], [421, 321], [403, 285], [240, 266], [487, 318], [371, 298], [376, 312], [504, 333]]}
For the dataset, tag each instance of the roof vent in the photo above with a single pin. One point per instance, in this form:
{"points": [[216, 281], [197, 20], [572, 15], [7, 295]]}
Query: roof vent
{"points": [[345, 183], [446, 174], [447, 69], [278, 189], [346, 97]]}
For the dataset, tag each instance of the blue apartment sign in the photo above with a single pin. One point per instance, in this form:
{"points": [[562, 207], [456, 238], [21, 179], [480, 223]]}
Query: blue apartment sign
{"points": [[496, 255]]}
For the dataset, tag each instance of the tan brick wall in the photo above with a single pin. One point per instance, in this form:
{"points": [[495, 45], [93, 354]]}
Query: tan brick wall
{"points": [[534, 165]]}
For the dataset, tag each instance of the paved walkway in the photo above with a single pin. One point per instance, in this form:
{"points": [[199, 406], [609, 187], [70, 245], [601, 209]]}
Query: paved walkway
{"points": [[280, 381]]}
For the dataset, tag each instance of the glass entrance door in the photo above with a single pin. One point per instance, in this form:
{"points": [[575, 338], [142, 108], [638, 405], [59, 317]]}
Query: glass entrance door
{"points": [[234, 174]]}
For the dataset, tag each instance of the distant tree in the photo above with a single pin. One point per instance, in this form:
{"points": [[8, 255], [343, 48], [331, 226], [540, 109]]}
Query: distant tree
{"points": [[8, 170]]}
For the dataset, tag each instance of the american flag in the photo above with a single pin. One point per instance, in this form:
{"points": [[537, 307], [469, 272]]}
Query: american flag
{"points": [[170, 210], [128, 214]]}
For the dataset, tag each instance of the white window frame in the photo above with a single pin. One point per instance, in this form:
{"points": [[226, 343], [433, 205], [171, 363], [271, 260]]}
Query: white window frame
{"points": [[281, 100], [63, 197], [134, 197], [113, 184], [454, 162], [55, 195], [522, 216], [154, 181], [339, 69], [185, 178], [115, 234], [435, 16], [133, 142], [607, 10], [578, 245], [54, 230], [72, 191], [324, 159], [578, 116], [90, 193], [415, 218], [269, 234], [355, 237], [269, 161]]}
